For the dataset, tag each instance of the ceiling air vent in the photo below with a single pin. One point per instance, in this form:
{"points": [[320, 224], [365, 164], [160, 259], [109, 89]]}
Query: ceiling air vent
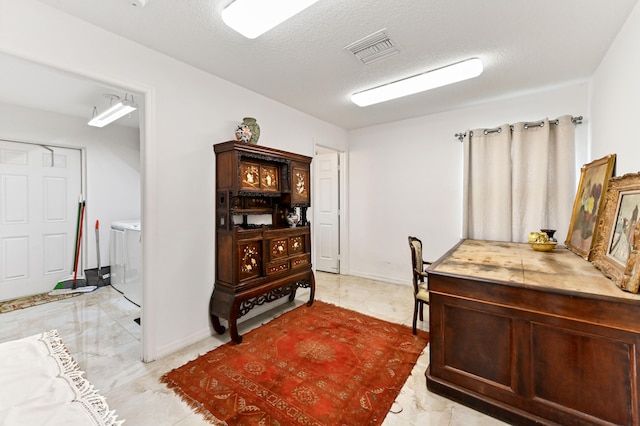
{"points": [[373, 47]]}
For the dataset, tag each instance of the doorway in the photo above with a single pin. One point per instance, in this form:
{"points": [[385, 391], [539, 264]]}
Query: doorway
{"points": [[40, 188], [328, 200], [44, 105]]}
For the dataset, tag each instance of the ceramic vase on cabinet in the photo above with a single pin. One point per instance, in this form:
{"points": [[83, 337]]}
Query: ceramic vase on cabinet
{"points": [[243, 133], [253, 126], [293, 219]]}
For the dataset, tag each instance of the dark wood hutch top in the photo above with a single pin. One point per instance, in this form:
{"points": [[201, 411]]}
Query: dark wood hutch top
{"points": [[252, 150], [236, 159]]}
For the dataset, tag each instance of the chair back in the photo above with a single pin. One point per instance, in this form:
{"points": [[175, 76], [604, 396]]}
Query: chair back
{"points": [[417, 263]]}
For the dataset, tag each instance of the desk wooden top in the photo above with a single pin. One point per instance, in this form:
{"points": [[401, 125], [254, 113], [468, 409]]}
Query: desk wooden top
{"points": [[518, 264]]}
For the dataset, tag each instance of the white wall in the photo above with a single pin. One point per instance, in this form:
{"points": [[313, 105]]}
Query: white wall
{"points": [[113, 166], [615, 90], [406, 178], [187, 111]]}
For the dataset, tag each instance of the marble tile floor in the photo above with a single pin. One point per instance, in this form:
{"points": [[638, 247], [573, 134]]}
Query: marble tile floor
{"points": [[100, 332]]}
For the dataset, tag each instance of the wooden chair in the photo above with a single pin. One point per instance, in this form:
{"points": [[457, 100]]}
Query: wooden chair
{"points": [[420, 280]]}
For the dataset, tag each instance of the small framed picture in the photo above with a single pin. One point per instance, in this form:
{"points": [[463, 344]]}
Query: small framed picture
{"points": [[616, 249], [626, 217]]}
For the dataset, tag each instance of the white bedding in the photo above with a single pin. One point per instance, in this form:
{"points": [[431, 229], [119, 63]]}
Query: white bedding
{"points": [[40, 384]]}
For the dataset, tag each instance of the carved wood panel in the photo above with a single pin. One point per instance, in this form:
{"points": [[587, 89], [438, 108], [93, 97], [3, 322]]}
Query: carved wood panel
{"points": [[249, 260]]}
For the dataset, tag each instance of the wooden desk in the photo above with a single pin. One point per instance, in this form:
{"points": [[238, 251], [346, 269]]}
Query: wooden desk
{"points": [[532, 337]]}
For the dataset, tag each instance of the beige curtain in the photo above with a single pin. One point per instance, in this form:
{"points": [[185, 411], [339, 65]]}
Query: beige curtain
{"points": [[518, 179]]}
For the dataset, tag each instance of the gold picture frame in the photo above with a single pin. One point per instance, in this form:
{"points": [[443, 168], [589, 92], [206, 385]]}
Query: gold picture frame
{"points": [[588, 205], [616, 250]]}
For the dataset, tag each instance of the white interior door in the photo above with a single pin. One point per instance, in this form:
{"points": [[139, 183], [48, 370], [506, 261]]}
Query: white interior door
{"points": [[327, 228], [39, 191]]}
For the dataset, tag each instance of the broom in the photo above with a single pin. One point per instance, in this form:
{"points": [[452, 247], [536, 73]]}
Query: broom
{"points": [[75, 284], [78, 244]]}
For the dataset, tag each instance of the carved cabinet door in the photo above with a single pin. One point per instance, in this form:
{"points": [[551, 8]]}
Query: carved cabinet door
{"points": [[249, 260], [259, 177], [300, 193]]}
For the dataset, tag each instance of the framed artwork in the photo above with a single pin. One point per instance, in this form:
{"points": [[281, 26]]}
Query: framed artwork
{"points": [[587, 207], [616, 250]]}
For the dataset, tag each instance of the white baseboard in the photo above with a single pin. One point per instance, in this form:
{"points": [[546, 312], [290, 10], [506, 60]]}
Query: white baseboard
{"points": [[180, 344], [382, 278]]}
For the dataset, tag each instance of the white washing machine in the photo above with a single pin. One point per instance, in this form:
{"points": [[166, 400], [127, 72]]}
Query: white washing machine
{"points": [[125, 254]]}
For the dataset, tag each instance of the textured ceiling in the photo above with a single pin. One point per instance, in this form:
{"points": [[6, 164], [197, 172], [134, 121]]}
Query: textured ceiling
{"points": [[525, 46]]}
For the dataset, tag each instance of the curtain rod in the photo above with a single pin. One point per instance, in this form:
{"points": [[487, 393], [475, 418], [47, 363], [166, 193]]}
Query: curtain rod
{"points": [[574, 120]]}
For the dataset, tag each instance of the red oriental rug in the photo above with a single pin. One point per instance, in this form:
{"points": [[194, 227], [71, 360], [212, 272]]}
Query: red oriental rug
{"points": [[318, 365]]}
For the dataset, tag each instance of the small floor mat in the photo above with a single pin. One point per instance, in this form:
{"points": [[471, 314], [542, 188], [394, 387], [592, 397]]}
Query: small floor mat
{"points": [[28, 301]]}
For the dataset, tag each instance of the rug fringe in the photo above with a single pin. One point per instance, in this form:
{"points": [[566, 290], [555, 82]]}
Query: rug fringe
{"points": [[86, 395], [193, 404]]}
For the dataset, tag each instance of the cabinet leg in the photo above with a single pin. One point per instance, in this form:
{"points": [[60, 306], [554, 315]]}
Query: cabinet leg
{"points": [[293, 294], [312, 287], [215, 321], [233, 323], [219, 328], [233, 332]]}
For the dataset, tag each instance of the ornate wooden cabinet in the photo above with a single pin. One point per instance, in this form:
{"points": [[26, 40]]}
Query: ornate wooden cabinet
{"points": [[262, 260], [533, 338]]}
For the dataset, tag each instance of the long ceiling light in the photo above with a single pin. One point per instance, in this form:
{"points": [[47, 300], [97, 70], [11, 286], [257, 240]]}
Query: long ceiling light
{"points": [[117, 110], [252, 18], [419, 83]]}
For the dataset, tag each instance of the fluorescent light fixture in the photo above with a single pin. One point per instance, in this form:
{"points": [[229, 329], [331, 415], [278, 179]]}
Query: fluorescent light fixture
{"points": [[419, 83], [252, 18], [116, 111]]}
